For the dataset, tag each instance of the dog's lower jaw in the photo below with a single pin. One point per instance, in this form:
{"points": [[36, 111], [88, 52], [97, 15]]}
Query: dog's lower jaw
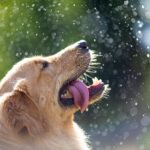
{"points": [[99, 95]]}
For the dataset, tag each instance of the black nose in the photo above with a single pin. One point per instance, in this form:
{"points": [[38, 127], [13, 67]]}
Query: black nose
{"points": [[83, 45]]}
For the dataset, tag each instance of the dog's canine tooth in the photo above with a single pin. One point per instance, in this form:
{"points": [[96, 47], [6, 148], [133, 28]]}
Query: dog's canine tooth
{"points": [[95, 79]]}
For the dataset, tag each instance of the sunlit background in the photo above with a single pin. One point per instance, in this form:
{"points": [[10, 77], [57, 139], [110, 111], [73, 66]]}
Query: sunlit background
{"points": [[118, 31]]}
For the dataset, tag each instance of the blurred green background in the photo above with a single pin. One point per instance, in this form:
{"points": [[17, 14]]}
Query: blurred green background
{"points": [[118, 31]]}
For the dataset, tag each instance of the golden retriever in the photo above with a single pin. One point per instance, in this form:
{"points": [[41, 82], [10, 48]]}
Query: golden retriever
{"points": [[38, 99]]}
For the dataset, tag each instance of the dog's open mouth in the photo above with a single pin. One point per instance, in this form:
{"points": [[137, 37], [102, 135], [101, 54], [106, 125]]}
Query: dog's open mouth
{"points": [[74, 92], [78, 94]]}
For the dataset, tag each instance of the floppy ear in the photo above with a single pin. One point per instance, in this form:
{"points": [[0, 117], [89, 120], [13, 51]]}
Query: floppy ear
{"points": [[20, 112]]}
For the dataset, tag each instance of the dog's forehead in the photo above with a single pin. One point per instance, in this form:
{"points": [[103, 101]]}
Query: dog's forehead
{"points": [[31, 60]]}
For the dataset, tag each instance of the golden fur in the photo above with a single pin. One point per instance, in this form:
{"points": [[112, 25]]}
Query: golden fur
{"points": [[31, 116]]}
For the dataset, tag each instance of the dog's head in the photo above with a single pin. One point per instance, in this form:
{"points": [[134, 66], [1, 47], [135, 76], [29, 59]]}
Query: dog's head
{"points": [[40, 91]]}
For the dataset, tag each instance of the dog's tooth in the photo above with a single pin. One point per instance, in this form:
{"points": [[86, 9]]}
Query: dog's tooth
{"points": [[95, 79], [92, 80], [66, 94], [62, 95]]}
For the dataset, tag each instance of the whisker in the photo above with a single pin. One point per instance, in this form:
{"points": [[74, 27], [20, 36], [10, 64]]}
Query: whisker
{"points": [[107, 89], [88, 75], [84, 78], [94, 54], [94, 67], [94, 59], [89, 71], [95, 63]]}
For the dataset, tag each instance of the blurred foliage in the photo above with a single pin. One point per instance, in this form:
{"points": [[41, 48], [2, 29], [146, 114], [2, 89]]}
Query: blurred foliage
{"points": [[145, 143]]}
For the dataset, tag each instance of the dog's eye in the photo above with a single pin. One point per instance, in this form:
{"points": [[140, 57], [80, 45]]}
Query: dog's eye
{"points": [[45, 64]]}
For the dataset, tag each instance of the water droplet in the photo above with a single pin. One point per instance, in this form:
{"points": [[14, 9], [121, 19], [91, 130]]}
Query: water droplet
{"points": [[126, 2], [142, 6], [148, 55], [139, 34]]}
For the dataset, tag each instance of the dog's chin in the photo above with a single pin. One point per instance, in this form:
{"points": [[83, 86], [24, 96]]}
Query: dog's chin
{"points": [[76, 94]]}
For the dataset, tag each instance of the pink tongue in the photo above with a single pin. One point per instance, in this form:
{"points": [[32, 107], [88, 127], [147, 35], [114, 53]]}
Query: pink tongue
{"points": [[80, 94]]}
